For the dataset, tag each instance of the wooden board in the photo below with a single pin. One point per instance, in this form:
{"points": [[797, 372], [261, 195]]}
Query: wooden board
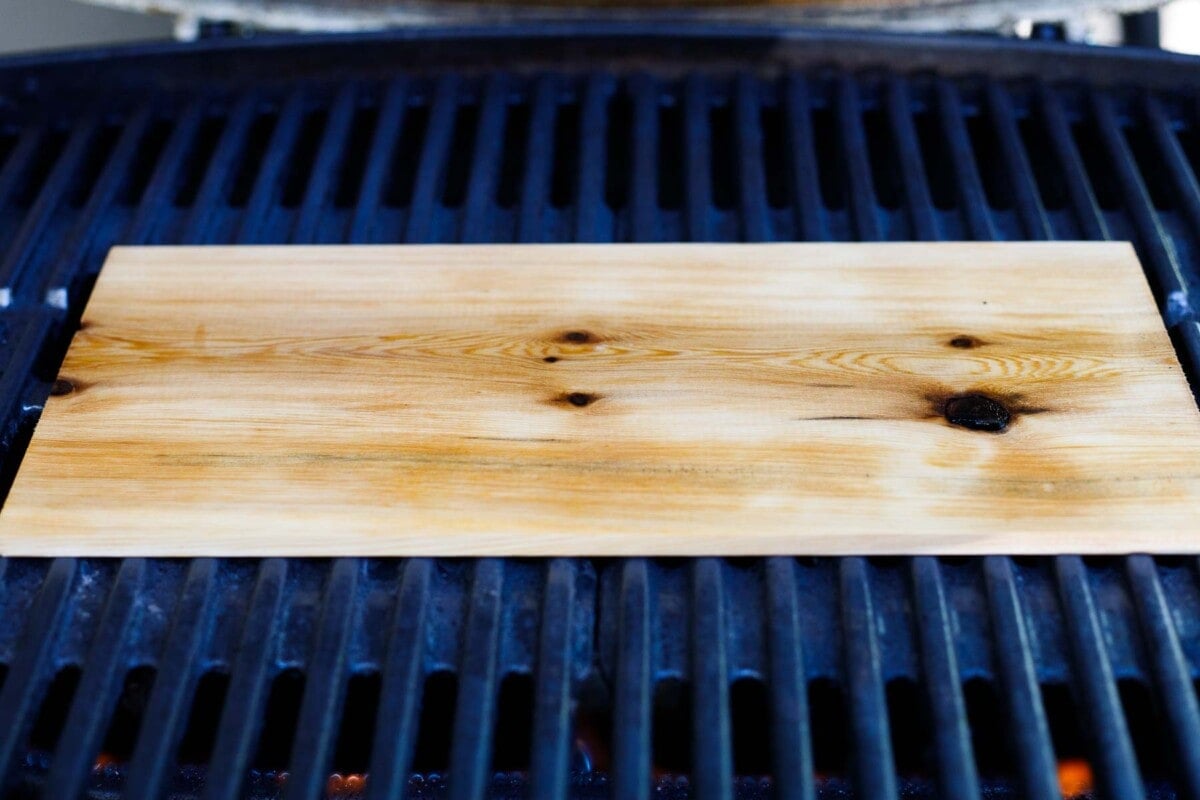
{"points": [[604, 400]]}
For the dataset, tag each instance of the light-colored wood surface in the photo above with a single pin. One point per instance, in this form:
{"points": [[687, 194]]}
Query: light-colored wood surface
{"points": [[603, 400]]}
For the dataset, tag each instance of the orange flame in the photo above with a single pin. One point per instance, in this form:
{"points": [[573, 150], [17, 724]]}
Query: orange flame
{"points": [[1075, 778]]}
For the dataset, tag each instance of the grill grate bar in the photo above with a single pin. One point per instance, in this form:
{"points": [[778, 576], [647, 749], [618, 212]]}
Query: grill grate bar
{"points": [[318, 196], [259, 223], [182, 664], [549, 767], [756, 222], [970, 186], [791, 732], [1018, 674], [1087, 208], [806, 195], [325, 687], [241, 718], [30, 235], [874, 762], [697, 146], [475, 715], [863, 204], [952, 732], [147, 219], [481, 207], [643, 182], [76, 252], [31, 671], [1170, 669], [382, 152], [97, 696], [400, 698], [712, 765], [1115, 763], [631, 709], [19, 159], [199, 225], [1016, 163], [431, 172], [1161, 265], [534, 189], [593, 163], [919, 200], [1177, 168]]}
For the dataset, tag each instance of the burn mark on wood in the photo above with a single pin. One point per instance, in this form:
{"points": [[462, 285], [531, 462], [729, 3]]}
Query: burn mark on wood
{"points": [[579, 337], [982, 408], [964, 342], [61, 387], [551, 359], [574, 399], [978, 412]]}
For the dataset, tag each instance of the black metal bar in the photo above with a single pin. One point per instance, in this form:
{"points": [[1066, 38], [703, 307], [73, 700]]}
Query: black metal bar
{"points": [[198, 227], [752, 185], [148, 219], [1157, 248], [549, 770], [1016, 163], [1083, 200], [480, 209], [1178, 169], [593, 160], [381, 155], [643, 179], [255, 227], [99, 686], [874, 765], [952, 734], [432, 163], [971, 197], [318, 195], [804, 182], [179, 672], [1028, 727], [1172, 676], [75, 250], [400, 694], [712, 749], [241, 718], [908, 156], [18, 160], [791, 732], [31, 671], [697, 145], [1115, 763], [474, 717], [49, 197], [325, 686], [539, 158], [863, 205], [631, 705]]}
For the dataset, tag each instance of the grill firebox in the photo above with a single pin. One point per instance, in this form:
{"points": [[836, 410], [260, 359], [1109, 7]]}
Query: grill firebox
{"points": [[782, 678]]}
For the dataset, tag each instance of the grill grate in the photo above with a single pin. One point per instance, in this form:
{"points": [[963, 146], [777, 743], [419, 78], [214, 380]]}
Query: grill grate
{"points": [[783, 678]]}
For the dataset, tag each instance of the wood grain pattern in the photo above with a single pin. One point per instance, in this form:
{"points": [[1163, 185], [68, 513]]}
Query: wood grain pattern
{"points": [[604, 400]]}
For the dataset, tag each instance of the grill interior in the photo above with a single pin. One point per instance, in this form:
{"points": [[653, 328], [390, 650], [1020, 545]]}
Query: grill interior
{"points": [[779, 678]]}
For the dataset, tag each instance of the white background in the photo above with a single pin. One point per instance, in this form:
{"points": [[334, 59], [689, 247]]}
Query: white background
{"points": [[39, 24]]}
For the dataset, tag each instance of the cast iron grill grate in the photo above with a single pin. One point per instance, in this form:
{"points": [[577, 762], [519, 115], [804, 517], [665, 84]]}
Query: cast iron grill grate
{"points": [[780, 678]]}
